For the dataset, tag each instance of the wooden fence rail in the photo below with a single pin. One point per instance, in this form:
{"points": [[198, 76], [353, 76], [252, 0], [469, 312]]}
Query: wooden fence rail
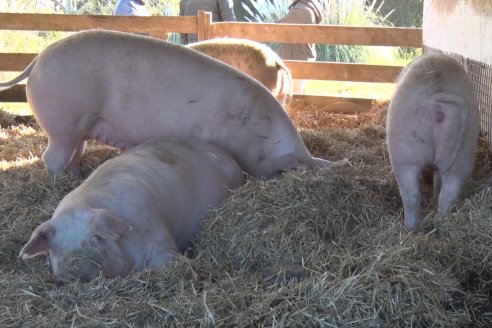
{"points": [[161, 26]]}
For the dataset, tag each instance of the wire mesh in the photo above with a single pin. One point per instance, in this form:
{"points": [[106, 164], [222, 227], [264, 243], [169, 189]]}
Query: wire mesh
{"points": [[481, 77]]}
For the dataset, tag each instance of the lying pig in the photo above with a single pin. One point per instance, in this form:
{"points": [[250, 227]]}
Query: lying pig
{"points": [[253, 58], [432, 125], [124, 89], [135, 211]]}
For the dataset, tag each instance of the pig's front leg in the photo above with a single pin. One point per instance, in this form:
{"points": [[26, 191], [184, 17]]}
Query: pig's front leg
{"points": [[59, 154], [161, 253]]}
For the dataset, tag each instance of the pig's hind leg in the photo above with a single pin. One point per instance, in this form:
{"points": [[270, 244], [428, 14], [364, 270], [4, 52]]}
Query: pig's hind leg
{"points": [[65, 139], [407, 177], [451, 186]]}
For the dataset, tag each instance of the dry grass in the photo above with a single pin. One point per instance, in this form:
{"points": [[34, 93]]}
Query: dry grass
{"points": [[324, 248]]}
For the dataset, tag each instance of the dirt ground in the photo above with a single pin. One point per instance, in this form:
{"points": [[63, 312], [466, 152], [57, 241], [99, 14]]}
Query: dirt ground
{"points": [[316, 248]]}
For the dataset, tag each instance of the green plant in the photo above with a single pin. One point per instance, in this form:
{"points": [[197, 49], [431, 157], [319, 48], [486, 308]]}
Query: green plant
{"points": [[350, 13], [93, 7], [164, 7], [265, 11], [407, 13], [336, 12]]}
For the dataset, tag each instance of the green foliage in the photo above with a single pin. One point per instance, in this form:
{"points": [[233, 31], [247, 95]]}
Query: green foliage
{"points": [[28, 41], [32, 42], [164, 7], [93, 7], [84, 7], [349, 12], [27, 6], [265, 11], [337, 12], [239, 10], [404, 13]]}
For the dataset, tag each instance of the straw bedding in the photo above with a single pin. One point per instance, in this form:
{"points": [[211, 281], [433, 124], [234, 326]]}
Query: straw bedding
{"points": [[320, 248]]}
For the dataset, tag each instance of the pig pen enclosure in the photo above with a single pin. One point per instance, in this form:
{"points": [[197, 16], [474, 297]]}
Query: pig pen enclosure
{"points": [[315, 248]]}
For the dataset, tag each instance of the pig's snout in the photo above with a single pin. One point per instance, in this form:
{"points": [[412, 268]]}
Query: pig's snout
{"points": [[84, 265]]}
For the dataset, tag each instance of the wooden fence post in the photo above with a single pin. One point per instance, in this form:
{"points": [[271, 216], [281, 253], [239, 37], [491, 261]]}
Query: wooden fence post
{"points": [[204, 25]]}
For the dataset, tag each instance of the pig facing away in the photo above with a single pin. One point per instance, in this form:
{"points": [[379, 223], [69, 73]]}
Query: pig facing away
{"points": [[253, 58], [432, 126], [124, 89], [135, 211]]}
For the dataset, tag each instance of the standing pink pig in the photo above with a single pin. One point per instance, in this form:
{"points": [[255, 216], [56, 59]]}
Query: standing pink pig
{"points": [[432, 126], [124, 89], [135, 211]]}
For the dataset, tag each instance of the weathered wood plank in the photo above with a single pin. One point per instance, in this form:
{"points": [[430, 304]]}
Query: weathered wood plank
{"points": [[201, 24], [15, 94], [13, 62], [158, 25], [299, 69], [323, 34], [264, 32], [343, 71], [334, 104]]}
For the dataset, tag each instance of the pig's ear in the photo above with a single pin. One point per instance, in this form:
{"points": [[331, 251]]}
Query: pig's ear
{"points": [[108, 226], [39, 242]]}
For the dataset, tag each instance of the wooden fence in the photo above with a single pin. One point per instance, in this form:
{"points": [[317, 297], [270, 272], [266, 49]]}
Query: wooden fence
{"points": [[160, 26]]}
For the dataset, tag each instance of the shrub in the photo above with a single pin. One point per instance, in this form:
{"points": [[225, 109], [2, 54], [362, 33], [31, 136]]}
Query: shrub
{"points": [[404, 13], [349, 12], [336, 12]]}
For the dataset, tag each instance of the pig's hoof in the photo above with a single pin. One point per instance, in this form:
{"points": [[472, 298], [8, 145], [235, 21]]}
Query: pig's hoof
{"points": [[413, 227], [53, 170]]}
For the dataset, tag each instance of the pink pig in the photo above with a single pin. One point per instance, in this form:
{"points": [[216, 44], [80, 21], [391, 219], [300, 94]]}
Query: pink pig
{"points": [[124, 89], [432, 127], [136, 210]]}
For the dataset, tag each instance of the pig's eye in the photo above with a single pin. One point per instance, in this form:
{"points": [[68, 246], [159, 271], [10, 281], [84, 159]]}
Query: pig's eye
{"points": [[92, 242]]}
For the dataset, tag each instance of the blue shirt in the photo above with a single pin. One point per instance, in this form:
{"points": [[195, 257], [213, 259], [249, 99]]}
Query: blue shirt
{"points": [[131, 8]]}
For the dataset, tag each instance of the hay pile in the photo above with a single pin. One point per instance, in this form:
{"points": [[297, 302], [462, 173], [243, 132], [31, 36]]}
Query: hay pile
{"points": [[324, 248]]}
